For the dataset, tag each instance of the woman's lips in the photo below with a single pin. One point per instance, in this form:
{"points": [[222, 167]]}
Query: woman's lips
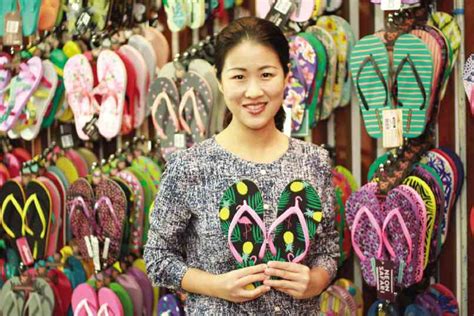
{"points": [[255, 108]]}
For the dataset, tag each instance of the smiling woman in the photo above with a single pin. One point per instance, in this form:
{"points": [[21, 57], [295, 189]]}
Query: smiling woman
{"points": [[244, 221]]}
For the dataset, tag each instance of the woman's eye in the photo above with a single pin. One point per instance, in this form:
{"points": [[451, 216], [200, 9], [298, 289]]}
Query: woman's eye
{"points": [[238, 77], [267, 75]]}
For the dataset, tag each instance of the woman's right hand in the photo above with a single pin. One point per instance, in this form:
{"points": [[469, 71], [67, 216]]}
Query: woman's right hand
{"points": [[234, 286]]}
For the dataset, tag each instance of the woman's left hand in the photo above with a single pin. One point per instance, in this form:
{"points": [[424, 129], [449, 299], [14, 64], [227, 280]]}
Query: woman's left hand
{"points": [[295, 279]]}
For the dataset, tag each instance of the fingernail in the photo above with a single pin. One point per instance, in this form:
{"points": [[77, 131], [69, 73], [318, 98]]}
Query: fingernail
{"points": [[267, 288]]}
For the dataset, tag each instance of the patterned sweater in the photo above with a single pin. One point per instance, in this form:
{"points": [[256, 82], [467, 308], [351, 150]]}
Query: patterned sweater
{"points": [[185, 228]]}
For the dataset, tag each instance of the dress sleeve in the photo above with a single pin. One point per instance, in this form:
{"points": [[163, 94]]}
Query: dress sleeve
{"points": [[325, 248], [164, 252]]}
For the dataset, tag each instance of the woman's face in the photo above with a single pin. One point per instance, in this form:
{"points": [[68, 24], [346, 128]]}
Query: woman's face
{"points": [[253, 84]]}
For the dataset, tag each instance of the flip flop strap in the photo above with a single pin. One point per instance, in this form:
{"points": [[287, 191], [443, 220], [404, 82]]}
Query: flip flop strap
{"points": [[84, 94], [103, 310], [10, 199], [36, 297], [79, 200], [241, 210], [163, 96], [34, 199], [294, 210], [345, 297], [407, 59], [375, 225], [396, 212], [370, 59], [83, 304], [190, 94], [108, 87], [15, 301], [110, 207]]}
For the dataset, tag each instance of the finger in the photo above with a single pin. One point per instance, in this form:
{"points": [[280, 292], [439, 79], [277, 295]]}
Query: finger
{"points": [[290, 292], [282, 284], [284, 274], [251, 270], [252, 294], [249, 279], [289, 266]]}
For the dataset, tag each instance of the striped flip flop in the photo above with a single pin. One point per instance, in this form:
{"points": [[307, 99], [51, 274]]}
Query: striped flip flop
{"points": [[369, 65], [413, 65], [439, 51]]}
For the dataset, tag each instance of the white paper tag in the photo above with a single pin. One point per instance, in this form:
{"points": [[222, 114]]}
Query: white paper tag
{"points": [[390, 5], [88, 246], [283, 6], [180, 140], [12, 26], [95, 250], [392, 128], [105, 252]]}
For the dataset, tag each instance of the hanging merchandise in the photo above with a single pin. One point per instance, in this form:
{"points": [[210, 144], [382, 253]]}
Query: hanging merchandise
{"points": [[342, 179], [468, 78], [185, 101], [409, 88]]}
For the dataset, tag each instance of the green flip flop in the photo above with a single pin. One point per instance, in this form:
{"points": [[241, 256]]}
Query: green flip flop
{"points": [[369, 64], [413, 65], [321, 70], [59, 59]]}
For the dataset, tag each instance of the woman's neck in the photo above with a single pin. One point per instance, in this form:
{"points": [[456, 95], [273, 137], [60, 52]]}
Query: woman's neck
{"points": [[262, 146]]}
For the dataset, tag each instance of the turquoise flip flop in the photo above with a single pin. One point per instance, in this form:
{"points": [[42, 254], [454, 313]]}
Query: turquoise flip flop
{"points": [[369, 66], [413, 65]]}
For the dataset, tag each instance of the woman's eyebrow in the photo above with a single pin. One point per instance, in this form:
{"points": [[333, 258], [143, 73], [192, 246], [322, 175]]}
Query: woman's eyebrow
{"points": [[244, 69]]}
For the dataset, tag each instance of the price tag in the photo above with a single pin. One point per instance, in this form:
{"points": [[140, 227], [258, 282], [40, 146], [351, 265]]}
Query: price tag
{"points": [[283, 6], [13, 29], [385, 272], [180, 140], [105, 252], [392, 128], [83, 22], [91, 129], [66, 133], [390, 5], [88, 246], [96, 253], [25, 251], [280, 12]]}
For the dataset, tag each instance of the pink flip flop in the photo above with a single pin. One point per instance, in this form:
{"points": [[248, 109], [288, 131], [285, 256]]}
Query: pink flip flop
{"points": [[142, 82], [404, 231], [5, 75], [78, 83], [84, 301], [112, 78], [364, 218], [416, 222], [134, 290], [22, 88], [41, 101], [109, 303]]}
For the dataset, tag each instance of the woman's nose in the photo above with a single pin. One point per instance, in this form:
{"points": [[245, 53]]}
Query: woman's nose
{"points": [[253, 90]]}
